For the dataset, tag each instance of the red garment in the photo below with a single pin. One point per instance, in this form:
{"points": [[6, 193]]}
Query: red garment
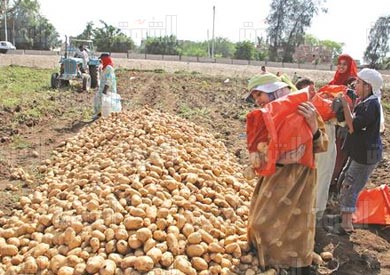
{"points": [[342, 79], [106, 60], [283, 128]]}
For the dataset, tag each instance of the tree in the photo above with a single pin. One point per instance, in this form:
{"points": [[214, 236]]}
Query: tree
{"points": [[261, 49], [27, 28], [109, 38], [224, 47], [245, 50], [334, 47], [287, 21], [167, 45], [191, 48], [87, 33], [379, 45], [311, 40]]}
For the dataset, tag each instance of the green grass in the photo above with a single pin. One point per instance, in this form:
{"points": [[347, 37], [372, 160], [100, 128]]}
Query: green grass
{"points": [[187, 112], [19, 142], [26, 89]]}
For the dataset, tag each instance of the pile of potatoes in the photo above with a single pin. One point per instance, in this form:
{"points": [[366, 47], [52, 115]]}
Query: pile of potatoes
{"points": [[136, 193]]}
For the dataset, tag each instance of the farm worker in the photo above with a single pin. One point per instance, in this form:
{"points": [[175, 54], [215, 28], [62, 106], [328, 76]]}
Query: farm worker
{"points": [[107, 82], [325, 161], [83, 54], [363, 144], [281, 222], [345, 74]]}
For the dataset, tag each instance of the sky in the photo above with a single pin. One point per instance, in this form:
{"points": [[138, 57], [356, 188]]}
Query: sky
{"points": [[347, 21]]}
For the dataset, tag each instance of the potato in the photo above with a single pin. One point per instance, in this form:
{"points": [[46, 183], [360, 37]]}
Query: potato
{"points": [[144, 234], [195, 250], [155, 254], [66, 270], [317, 260], [40, 249], [108, 268], [128, 261], [132, 223], [134, 242], [195, 238], [144, 263], [94, 264], [199, 263], [166, 259], [30, 266], [57, 262], [79, 269], [326, 256], [184, 265], [8, 250]]}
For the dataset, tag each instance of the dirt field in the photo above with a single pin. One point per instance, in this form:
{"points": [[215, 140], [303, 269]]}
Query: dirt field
{"points": [[208, 95]]}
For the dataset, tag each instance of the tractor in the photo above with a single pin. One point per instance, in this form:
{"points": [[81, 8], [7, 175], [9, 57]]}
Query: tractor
{"points": [[71, 65]]}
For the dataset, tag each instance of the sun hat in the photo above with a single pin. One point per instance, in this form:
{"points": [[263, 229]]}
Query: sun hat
{"points": [[267, 83], [372, 77]]}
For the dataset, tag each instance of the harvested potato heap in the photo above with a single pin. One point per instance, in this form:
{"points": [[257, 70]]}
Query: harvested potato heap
{"points": [[134, 193]]}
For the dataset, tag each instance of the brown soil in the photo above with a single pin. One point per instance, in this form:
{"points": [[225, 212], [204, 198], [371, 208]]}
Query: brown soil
{"points": [[210, 101]]}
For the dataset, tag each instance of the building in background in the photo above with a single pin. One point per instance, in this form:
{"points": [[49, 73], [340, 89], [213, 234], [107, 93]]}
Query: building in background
{"points": [[312, 54]]}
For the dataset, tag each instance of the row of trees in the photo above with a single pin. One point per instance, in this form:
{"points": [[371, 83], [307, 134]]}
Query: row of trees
{"points": [[26, 27], [287, 22]]}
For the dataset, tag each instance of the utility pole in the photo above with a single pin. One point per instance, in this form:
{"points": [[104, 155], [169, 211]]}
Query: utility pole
{"points": [[208, 43], [213, 42], [5, 20]]}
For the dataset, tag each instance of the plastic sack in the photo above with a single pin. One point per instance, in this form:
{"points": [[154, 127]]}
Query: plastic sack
{"points": [[373, 206], [323, 107], [280, 125], [111, 102], [325, 96]]}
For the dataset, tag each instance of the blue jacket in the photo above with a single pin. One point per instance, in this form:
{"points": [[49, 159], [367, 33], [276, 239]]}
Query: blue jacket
{"points": [[364, 145]]}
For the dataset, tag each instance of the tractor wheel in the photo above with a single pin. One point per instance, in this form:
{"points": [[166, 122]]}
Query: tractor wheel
{"points": [[86, 82], [55, 82], [93, 72], [64, 83]]}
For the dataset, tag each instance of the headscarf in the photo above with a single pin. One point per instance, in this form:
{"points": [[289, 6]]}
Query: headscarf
{"points": [[275, 87], [342, 79], [106, 60]]}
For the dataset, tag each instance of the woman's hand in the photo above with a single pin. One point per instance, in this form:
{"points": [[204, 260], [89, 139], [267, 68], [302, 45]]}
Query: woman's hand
{"points": [[308, 111], [257, 160]]}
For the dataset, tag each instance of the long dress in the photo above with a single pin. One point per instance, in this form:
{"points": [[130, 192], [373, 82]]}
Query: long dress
{"points": [[107, 79], [281, 222]]}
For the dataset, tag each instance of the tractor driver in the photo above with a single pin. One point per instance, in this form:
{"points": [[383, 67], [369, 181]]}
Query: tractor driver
{"points": [[83, 54]]}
